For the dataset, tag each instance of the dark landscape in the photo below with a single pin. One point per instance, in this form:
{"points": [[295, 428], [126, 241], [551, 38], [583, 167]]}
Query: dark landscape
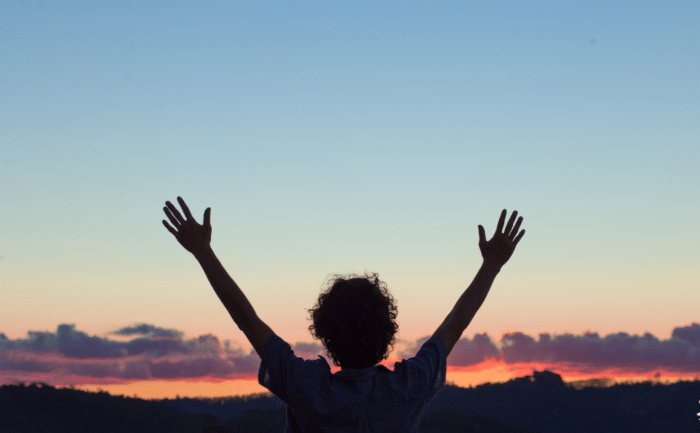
{"points": [[541, 403]]}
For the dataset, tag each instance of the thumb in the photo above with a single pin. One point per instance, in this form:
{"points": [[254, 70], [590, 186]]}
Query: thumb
{"points": [[482, 234]]}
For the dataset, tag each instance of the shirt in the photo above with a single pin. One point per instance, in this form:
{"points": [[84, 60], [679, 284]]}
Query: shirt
{"points": [[373, 399]]}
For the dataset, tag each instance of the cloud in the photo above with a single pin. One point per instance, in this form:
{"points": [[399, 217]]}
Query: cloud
{"points": [[470, 352], [642, 353], [148, 330], [159, 353], [156, 353], [68, 341], [691, 334], [464, 353]]}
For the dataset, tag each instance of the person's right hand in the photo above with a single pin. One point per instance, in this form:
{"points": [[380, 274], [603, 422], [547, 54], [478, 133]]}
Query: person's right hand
{"points": [[498, 250], [193, 237]]}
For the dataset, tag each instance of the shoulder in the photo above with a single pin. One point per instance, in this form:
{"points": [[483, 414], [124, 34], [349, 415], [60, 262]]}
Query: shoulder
{"points": [[279, 358], [428, 365], [281, 371], [431, 349]]}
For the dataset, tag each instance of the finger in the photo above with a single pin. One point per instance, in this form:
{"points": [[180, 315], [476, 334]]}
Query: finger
{"points": [[517, 226], [170, 229], [509, 226], [175, 212], [499, 227], [185, 209], [207, 217], [172, 219], [482, 234], [517, 239]]}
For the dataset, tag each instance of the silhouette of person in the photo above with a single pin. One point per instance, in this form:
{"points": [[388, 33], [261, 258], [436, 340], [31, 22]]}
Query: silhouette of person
{"points": [[355, 318]]}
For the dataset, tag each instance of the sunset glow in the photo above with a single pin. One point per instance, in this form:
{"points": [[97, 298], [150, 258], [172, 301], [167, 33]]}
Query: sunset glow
{"points": [[485, 372], [344, 137]]}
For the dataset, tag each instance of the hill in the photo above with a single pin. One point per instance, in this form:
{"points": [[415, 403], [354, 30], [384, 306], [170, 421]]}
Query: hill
{"points": [[541, 403], [42, 408]]}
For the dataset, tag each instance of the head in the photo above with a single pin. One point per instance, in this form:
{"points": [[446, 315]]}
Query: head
{"points": [[355, 319]]}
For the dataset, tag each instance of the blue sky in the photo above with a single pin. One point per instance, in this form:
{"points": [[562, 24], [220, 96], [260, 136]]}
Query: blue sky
{"points": [[336, 137]]}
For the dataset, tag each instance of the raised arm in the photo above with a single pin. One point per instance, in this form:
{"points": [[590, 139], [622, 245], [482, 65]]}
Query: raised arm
{"points": [[495, 253], [196, 239]]}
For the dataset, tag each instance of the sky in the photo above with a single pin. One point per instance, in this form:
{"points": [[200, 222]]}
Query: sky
{"points": [[342, 137]]}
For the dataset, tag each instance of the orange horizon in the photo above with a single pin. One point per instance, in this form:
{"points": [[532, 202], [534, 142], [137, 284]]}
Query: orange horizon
{"points": [[490, 371]]}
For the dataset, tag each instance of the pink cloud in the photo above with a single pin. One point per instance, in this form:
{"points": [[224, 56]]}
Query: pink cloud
{"points": [[155, 353]]}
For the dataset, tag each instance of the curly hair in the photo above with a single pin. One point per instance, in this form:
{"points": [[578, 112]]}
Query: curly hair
{"points": [[355, 318]]}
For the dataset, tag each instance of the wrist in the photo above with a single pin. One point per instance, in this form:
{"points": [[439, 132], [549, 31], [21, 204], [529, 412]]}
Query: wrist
{"points": [[491, 267], [203, 252]]}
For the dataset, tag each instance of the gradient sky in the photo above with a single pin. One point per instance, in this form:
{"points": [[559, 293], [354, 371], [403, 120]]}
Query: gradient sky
{"points": [[337, 137]]}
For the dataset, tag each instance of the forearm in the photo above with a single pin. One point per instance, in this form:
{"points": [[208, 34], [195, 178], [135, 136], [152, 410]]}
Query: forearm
{"points": [[226, 289], [469, 303]]}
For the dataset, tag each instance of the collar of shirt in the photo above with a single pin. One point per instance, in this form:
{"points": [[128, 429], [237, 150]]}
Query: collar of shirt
{"points": [[356, 375]]}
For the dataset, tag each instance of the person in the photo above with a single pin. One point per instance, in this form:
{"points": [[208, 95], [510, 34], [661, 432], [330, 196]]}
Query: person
{"points": [[355, 320]]}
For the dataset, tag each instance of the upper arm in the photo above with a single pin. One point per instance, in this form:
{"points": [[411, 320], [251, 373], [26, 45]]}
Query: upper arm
{"points": [[449, 333], [257, 333]]}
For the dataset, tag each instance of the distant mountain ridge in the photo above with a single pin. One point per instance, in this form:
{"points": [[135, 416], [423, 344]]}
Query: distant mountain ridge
{"points": [[540, 403], [545, 402]]}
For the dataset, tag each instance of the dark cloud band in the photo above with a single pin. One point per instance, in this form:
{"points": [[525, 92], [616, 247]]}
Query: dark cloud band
{"points": [[158, 353], [680, 353]]}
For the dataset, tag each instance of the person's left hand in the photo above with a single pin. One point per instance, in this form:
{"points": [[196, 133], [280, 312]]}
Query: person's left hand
{"points": [[498, 250], [191, 235]]}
